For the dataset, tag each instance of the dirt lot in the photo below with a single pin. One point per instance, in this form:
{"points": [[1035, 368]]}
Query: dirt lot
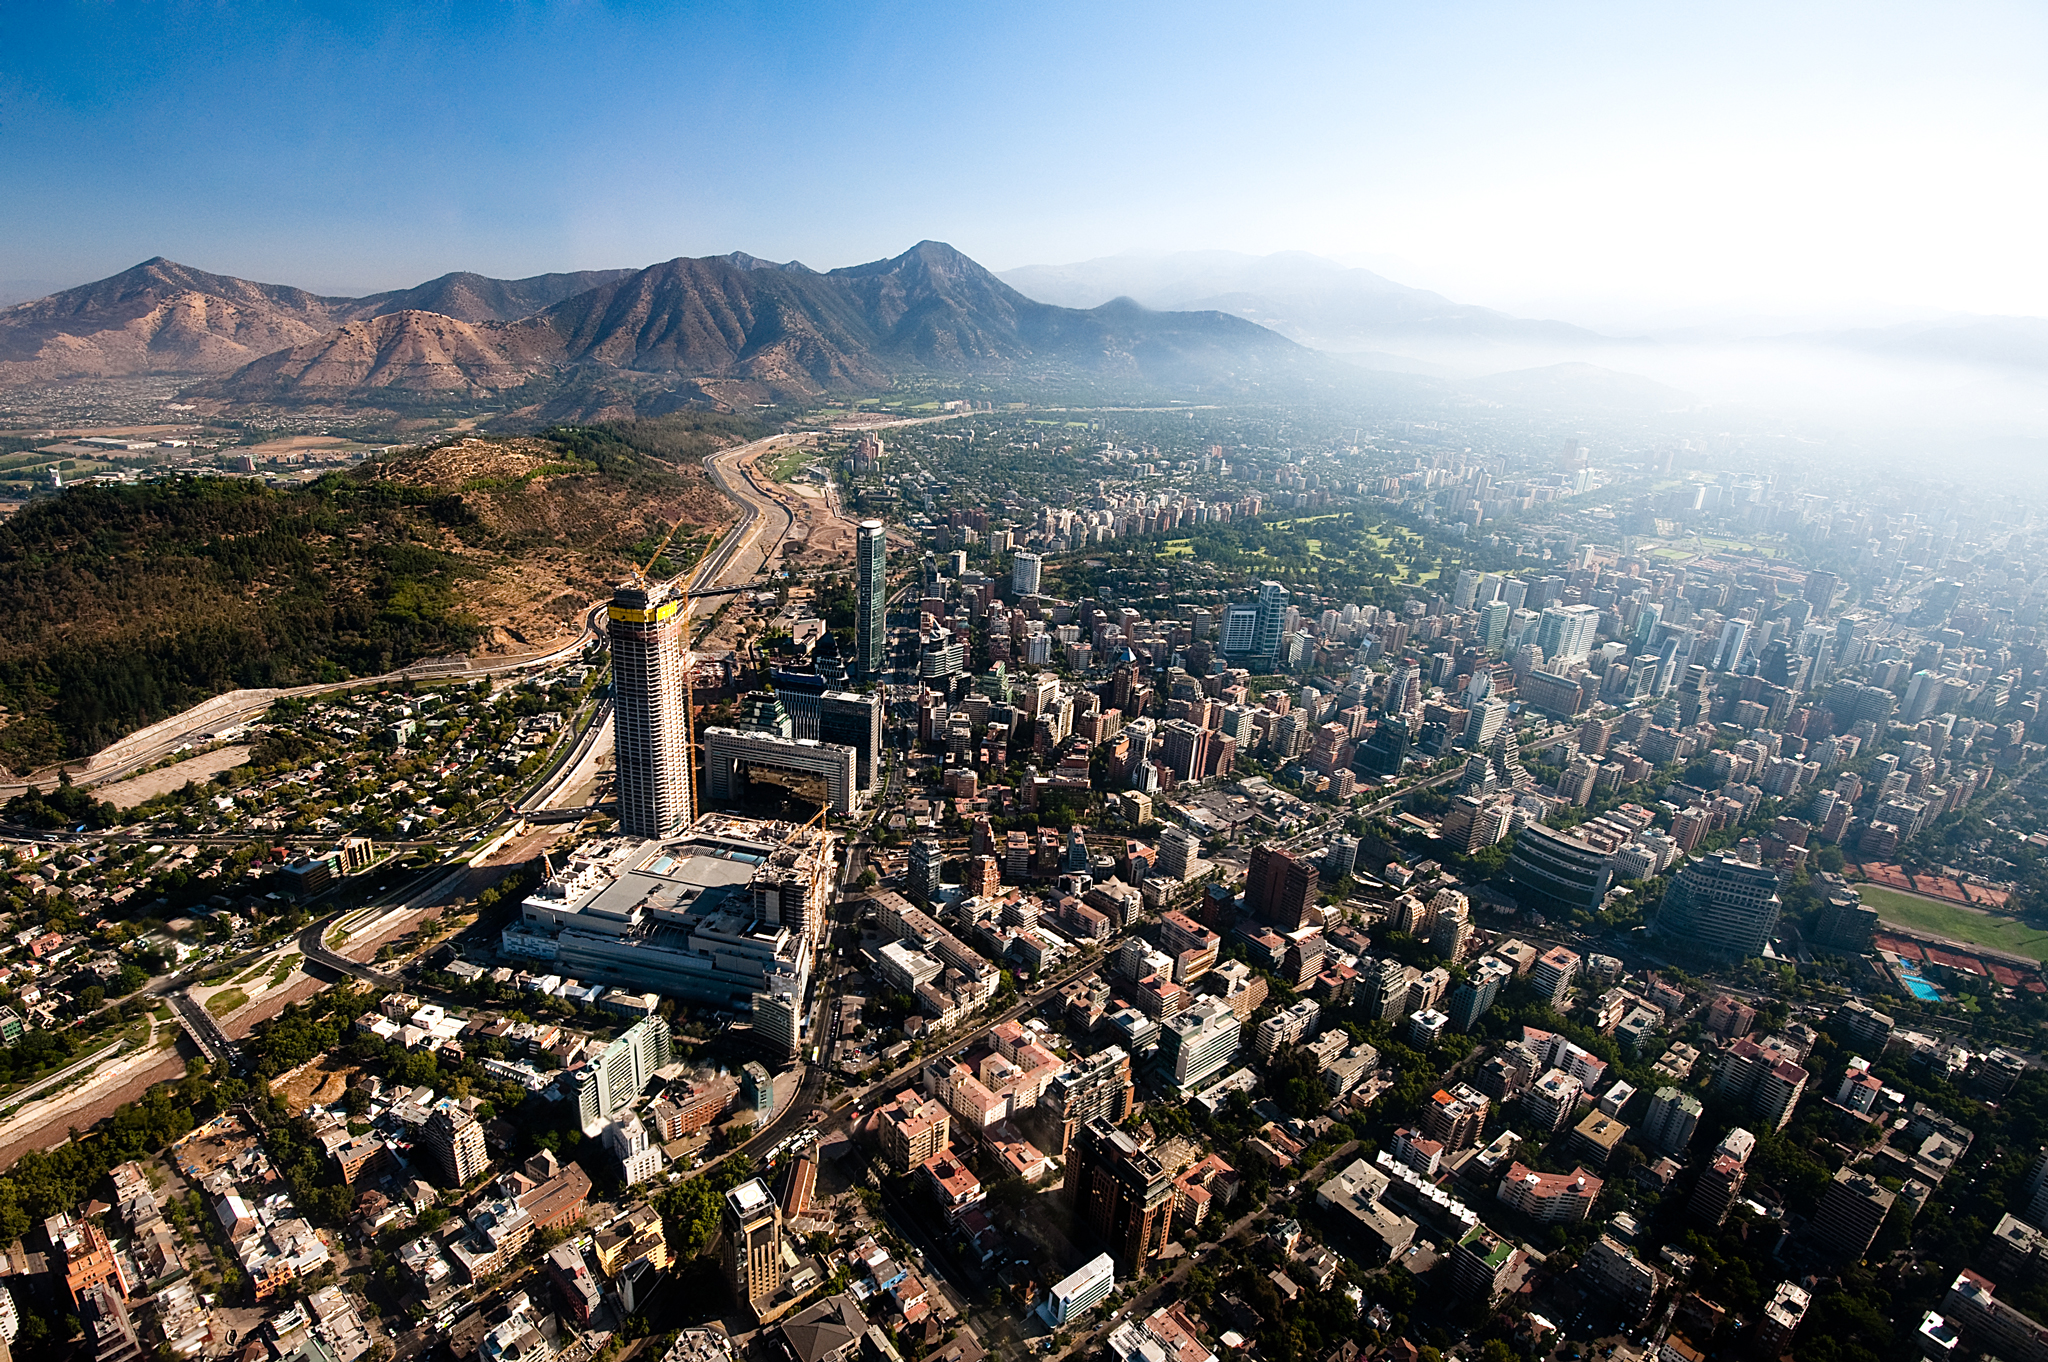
{"points": [[213, 1146], [150, 784], [314, 1085], [292, 444]]}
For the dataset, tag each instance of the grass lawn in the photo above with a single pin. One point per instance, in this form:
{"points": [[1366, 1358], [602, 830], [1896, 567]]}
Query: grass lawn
{"points": [[790, 460], [1957, 924], [226, 1001], [284, 969]]}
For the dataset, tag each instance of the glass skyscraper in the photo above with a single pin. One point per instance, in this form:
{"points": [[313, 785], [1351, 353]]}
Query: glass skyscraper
{"points": [[871, 582]]}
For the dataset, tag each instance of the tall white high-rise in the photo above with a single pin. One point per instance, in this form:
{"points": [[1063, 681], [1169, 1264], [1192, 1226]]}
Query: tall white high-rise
{"points": [[1024, 574], [1493, 624], [1240, 629], [651, 730], [1734, 638], [871, 586], [1272, 619], [1568, 631]]}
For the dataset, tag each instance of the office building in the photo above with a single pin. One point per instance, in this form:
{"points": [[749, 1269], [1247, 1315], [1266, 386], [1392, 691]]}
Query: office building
{"points": [[753, 1244], [846, 719], [650, 729], [611, 1082], [1121, 1194], [1851, 1213], [1557, 874], [1484, 723], [1098, 1087], [1728, 651], [1566, 632], [871, 600], [1076, 1295], [1240, 629], [1384, 749], [1025, 571], [455, 1141], [1280, 889], [736, 760], [1272, 620], [1493, 624], [1199, 1042], [927, 861], [1721, 905]]}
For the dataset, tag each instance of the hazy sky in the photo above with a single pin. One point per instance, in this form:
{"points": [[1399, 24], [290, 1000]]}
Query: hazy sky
{"points": [[1598, 159]]}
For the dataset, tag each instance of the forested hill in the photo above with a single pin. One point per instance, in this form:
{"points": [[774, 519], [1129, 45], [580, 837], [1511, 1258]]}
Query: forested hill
{"points": [[127, 604]]}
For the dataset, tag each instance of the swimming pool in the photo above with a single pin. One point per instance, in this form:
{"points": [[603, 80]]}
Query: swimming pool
{"points": [[1920, 988]]}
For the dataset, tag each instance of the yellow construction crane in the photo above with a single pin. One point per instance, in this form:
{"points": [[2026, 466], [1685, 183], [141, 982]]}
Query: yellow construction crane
{"points": [[821, 863], [689, 671], [640, 573]]}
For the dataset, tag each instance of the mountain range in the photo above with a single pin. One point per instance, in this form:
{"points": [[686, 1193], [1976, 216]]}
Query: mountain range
{"points": [[737, 330], [165, 318], [734, 328]]}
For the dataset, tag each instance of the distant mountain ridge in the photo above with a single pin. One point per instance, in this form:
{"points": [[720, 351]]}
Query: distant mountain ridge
{"points": [[739, 329], [1307, 298], [735, 328], [161, 317]]}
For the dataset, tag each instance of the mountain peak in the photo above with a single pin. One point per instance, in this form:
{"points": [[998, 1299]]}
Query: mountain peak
{"points": [[755, 262]]}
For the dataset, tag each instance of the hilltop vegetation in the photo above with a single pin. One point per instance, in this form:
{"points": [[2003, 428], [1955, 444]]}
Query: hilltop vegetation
{"points": [[131, 603]]}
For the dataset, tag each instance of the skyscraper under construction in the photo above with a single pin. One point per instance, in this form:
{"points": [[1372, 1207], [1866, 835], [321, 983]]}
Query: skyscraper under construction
{"points": [[656, 796]]}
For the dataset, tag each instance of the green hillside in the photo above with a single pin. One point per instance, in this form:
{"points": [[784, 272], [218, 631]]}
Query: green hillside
{"points": [[130, 603]]}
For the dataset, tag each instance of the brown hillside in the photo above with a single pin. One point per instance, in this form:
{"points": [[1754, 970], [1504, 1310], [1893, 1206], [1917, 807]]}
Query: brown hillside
{"points": [[550, 534], [414, 351], [165, 318]]}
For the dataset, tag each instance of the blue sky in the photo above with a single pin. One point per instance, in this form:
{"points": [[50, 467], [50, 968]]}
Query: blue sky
{"points": [[1555, 158]]}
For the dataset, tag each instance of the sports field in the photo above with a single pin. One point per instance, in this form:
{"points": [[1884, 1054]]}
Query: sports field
{"points": [[1957, 924]]}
